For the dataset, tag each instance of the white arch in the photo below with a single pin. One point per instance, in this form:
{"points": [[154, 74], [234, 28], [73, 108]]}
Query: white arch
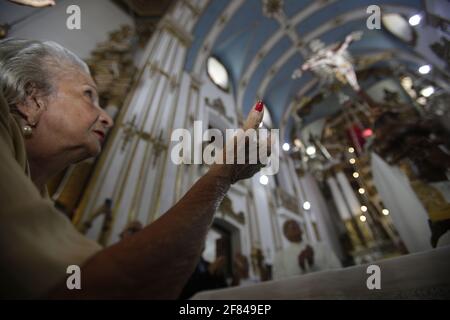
{"points": [[270, 43], [213, 34]]}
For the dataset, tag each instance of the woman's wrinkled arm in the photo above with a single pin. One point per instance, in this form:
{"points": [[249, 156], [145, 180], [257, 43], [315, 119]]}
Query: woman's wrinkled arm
{"points": [[156, 262]]}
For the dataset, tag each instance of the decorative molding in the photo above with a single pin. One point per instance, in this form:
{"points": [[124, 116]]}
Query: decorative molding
{"points": [[223, 19], [195, 10], [218, 106], [153, 67], [175, 29], [261, 54], [273, 8], [173, 82], [287, 201], [442, 50], [196, 81], [226, 208]]}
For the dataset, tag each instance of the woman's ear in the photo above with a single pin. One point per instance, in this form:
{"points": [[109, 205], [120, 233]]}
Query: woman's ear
{"points": [[32, 108]]}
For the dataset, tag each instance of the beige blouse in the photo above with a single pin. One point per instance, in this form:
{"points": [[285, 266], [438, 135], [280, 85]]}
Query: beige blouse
{"points": [[37, 242]]}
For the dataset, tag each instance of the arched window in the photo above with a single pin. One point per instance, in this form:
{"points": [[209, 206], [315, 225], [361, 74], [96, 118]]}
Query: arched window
{"points": [[398, 26], [218, 73]]}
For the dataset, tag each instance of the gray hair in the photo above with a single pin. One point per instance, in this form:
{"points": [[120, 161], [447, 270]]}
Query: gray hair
{"points": [[30, 62]]}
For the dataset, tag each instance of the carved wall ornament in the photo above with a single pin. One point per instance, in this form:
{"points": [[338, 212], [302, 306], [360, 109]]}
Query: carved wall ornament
{"points": [[442, 50], [226, 208], [112, 68], [287, 201], [131, 130], [261, 55], [272, 8], [217, 105], [223, 19]]}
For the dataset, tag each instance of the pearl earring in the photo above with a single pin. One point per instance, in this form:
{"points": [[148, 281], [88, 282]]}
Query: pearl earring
{"points": [[27, 130]]}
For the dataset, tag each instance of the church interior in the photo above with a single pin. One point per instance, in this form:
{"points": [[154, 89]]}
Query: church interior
{"points": [[359, 91]]}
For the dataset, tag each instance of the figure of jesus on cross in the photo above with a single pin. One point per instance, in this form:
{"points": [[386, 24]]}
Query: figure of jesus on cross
{"points": [[332, 62]]}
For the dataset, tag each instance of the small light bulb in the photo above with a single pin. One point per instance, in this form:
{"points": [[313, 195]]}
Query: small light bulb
{"points": [[355, 175], [427, 92], [422, 101], [362, 218], [351, 150], [415, 20], [385, 212], [306, 205], [363, 208], [361, 191], [286, 146], [264, 180], [352, 161], [311, 150], [425, 69]]}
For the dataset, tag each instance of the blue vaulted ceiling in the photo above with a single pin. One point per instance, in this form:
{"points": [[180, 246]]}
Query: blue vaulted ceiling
{"points": [[245, 33]]}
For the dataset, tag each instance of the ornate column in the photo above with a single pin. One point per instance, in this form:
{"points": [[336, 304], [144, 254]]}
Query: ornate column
{"points": [[135, 171]]}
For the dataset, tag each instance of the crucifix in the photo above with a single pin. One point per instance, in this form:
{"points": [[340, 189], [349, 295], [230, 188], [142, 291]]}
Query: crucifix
{"points": [[331, 63]]}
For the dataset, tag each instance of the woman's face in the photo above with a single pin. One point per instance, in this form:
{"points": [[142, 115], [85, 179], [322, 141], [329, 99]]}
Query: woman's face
{"points": [[73, 121]]}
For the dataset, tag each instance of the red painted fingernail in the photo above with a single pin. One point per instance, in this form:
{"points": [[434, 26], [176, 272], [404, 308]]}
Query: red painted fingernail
{"points": [[259, 106]]}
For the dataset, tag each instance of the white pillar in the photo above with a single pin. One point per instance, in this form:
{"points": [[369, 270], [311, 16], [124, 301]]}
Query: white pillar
{"points": [[135, 170], [326, 228]]}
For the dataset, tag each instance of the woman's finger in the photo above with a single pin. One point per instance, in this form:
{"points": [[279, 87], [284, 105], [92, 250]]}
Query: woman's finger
{"points": [[255, 116]]}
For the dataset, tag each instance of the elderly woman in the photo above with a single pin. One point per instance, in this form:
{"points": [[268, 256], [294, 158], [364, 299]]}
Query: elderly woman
{"points": [[49, 119]]}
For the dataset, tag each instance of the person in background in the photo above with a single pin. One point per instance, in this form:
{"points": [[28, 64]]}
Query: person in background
{"points": [[241, 274], [207, 276], [301, 257]]}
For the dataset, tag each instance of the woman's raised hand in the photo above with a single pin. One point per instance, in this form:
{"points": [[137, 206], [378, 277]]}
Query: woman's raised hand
{"points": [[246, 142]]}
